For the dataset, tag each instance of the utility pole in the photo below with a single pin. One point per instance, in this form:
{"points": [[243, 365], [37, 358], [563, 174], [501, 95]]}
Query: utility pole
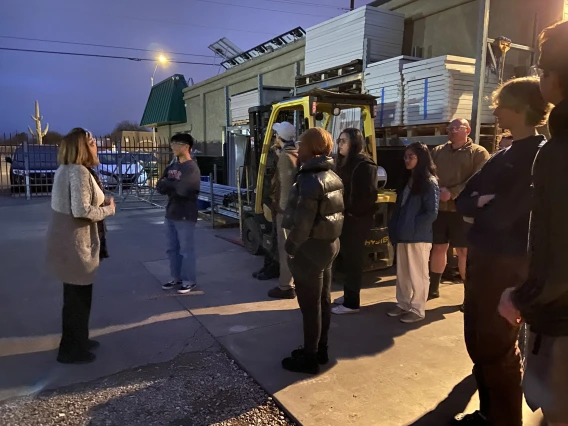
{"points": [[352, 4], [480, 65]]}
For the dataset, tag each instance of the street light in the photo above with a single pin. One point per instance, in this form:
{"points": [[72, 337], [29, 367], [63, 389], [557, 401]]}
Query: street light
{"points": [[161, 60]]}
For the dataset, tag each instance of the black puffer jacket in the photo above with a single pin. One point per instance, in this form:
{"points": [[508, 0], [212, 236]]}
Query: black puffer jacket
{"points": [[315, 207], [543, 298]]}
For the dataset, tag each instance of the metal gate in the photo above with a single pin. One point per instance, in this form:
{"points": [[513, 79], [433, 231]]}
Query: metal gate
{"points": [[129, 168]]}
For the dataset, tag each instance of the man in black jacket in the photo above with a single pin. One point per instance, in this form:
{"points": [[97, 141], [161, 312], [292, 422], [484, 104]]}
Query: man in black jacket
{"points": [[181, 182], [542, 300]]}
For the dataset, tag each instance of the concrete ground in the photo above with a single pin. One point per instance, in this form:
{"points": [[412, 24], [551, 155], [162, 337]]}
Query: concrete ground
{"points": [[383, 372]]}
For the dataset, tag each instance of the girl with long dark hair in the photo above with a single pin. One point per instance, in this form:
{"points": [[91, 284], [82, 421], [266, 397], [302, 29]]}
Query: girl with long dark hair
{"points": [[410, 228], [359, 175]]}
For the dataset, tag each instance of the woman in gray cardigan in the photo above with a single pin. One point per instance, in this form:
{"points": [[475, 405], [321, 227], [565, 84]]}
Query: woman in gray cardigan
{"points": [[73, 243]]}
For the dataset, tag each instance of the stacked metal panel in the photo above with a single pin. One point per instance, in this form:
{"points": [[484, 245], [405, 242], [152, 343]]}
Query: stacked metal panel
{"points": [[440, 89], [341, 40], [384, 80], [240, 103]]}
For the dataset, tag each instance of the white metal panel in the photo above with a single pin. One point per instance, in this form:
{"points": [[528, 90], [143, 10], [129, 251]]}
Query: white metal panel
{"points": [[341, 40], [440, 90], [384, 80], [241, 103]]}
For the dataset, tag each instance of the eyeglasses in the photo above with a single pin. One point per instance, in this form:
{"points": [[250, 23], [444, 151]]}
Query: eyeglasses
{"points": [[88, 134], [535, 71], [451, 129], [342, 141], [410, 157]]}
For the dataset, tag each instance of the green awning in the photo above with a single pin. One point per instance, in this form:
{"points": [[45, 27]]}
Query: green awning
{"points": [[165, 104]]}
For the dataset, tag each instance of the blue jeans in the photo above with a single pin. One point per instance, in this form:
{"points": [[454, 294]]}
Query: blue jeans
{"points": [[181, 249]]}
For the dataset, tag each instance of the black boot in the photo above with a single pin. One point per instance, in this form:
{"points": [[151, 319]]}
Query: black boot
{"points": [[81, 357], [268, 274], [255, 274], [473, 419], [301, 362], [434, 290], [321, 356], [278, 293]]}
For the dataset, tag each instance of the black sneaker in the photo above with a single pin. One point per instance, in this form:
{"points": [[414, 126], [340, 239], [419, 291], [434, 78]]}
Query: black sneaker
{"points": [[186, 288], [322, 356], [171, 284], [268, 274], [301, 362], [82, 358], [92, 344], [473, 419], [255, 274], [278, 293], [433, 295]]}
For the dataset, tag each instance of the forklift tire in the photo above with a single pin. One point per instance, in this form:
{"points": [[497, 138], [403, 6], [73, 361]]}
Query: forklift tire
{"points": [[252, 237]]}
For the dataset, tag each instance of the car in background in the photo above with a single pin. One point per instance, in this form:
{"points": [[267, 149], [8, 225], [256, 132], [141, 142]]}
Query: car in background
{"points": [[39, 162], [149, 162], [120, 167]]}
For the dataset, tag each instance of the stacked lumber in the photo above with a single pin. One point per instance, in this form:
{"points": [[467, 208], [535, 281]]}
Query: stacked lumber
{"points": [[384, 80], [440, 89], [341, 40]]}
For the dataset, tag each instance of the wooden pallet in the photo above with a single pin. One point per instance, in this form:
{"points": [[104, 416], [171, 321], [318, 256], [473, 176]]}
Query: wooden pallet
{"points": [[353, 67], [437, 129]]}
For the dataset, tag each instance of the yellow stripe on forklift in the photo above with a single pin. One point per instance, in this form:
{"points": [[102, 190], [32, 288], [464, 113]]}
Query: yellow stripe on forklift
{"points": [[386, 197]]}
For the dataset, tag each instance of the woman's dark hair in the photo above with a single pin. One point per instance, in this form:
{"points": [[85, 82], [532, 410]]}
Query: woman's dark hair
{"points": [[424, 170], [356, 147]]}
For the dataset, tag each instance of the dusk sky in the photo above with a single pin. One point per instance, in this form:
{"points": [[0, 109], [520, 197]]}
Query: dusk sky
{"points": [[96, 93]]}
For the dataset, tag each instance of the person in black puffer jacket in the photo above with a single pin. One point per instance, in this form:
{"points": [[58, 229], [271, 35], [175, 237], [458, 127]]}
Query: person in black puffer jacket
{"points": [[314, 218], [359, 175]]}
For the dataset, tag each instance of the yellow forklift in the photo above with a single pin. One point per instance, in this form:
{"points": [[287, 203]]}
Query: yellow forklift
{"points": [[316, 108]]}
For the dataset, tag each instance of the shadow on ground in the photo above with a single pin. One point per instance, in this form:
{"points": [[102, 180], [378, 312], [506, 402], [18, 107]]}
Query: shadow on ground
{"points": [[455, 402]]}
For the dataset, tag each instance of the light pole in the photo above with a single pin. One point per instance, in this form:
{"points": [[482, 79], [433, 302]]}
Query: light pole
{"points": [[163, 61]]}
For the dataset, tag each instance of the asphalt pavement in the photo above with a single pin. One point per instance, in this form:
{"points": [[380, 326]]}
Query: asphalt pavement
{"points": [[382, 372]]}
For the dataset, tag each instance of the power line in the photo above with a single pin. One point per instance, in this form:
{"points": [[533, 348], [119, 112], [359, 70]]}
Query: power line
{"points": [[105, 46], [92, 55], [307, 4], [260, 8]]}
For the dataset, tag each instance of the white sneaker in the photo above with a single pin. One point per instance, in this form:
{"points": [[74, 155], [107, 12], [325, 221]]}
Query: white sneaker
{"points": [[339, 300], [396, 312], [342, 310], [411, 317]]}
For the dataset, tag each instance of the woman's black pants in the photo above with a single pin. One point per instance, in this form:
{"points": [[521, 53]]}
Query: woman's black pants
{"points": [[76, 312], [311, 269], [355, 231]]}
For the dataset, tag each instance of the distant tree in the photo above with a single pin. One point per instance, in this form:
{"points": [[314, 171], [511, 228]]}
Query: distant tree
{"points": [[129, 126], [52, 138], [15, 139]]}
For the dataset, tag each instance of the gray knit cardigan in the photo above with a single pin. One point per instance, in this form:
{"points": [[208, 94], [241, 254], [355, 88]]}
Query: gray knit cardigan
{"points": [[72, 238]]}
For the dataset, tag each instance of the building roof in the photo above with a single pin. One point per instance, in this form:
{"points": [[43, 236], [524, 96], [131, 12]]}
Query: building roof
{"points": [[165, 104]]}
